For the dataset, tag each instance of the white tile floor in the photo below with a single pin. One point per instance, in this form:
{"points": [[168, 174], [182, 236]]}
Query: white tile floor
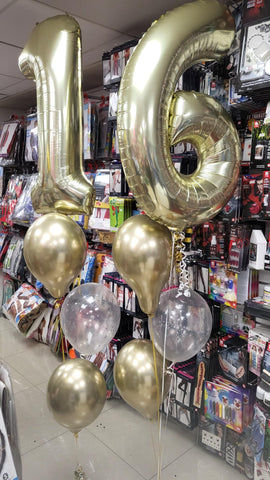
{"points": [[119, 445]]}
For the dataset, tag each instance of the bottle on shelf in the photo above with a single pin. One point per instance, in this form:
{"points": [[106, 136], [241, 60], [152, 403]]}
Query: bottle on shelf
{"points": [[257, 250]]}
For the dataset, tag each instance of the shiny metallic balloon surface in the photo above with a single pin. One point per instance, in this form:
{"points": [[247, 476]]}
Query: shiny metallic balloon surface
{"points": [[151, 118], [55, 250], [134, 375], [76, 394], [52, 57], [142, 251]]}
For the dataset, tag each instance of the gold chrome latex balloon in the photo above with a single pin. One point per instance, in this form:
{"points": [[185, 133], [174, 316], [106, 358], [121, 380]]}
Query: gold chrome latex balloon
{"points": [[150, 118], [52, 57], [135, 379], [55, 250], [142, 252], [76, 394]]}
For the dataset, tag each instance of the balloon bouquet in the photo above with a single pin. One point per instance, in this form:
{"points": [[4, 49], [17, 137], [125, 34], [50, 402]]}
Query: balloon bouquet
{"points": [[151, 117], [55, 246], [181, 323]]}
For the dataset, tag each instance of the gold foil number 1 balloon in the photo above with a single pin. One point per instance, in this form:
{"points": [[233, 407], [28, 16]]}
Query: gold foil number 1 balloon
{"points": [[151, 118], [52, 56]]}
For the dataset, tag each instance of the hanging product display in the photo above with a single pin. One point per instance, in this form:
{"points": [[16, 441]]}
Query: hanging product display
{"points": [[150, 117], [53, 52]]}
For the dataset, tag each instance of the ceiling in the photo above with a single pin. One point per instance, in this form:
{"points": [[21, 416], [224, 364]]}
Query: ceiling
{"points": [[104, 24]]}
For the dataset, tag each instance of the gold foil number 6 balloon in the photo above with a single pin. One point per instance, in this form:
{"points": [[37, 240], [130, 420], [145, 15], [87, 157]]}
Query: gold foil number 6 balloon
{"points": [[52, 56], [151, 118]]}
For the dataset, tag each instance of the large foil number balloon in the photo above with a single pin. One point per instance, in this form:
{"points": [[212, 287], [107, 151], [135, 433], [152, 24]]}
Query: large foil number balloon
{"points": [[52, 57], [151, 118]]}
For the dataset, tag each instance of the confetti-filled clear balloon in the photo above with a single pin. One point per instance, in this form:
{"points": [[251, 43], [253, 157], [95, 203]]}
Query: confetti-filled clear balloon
{"points": [[184, 323], [90, 317]]}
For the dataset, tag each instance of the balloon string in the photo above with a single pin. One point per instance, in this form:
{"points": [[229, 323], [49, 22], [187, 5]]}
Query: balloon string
{"points": [[155, 364], [62, 343], [162, 392]]}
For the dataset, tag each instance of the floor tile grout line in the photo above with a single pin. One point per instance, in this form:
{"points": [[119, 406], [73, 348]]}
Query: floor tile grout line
{"points": [[115, 453]]}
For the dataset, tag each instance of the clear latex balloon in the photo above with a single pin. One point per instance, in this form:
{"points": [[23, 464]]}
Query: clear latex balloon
{"points": [[90, 317], [186, 322]]}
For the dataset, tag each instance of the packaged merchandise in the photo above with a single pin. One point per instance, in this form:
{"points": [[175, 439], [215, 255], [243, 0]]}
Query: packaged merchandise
{"points": [[88, 270], [118, 183], [113, 102], [139, 326], [257, 343], [239, 240], [252, 196], [127, 50], [253, 70], [31, 142], [115, 144], [179, 402], [90, 129], [105, 131], [13, 256], [232, 211], [228, 403], [116, 64], [236, 321], [238, 452], [202, 276], [8, 138], [222, 284], [233, 359], [24, 307], [106, 67], [246, 154], [117, 212], [257, 250], [102, 184], [212, 436], [40, 326], [260, 148], [24, 213], [13, 192], [9, 288], [100, 218], [258, 432]]}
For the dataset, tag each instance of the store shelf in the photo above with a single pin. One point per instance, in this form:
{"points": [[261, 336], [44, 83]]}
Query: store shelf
{"points": [[257, 308]]}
